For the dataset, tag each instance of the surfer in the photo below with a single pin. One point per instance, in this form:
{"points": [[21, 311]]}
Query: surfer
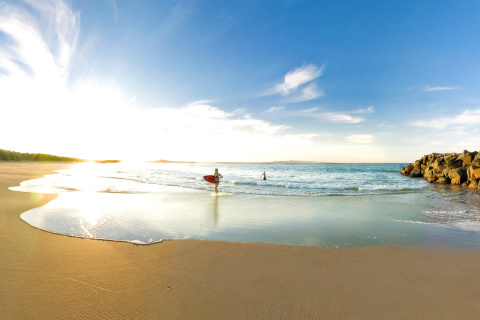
{"points": [[264, 176], [217, 176]]}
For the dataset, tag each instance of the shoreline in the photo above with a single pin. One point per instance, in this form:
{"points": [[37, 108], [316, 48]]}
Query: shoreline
{"points": [[46, 275]]}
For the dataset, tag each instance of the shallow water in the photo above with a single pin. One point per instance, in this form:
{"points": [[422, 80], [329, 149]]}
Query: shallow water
{"points": [[330, 205]]}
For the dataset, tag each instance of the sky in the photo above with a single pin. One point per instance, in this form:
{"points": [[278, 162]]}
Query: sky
{"points": [[327, 81]]}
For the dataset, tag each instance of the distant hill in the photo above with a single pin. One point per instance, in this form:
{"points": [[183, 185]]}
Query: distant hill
{"points": [[7, 155], [168, 161], [107, 161]]}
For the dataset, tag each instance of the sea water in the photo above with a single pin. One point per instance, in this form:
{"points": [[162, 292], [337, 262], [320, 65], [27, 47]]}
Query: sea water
{"points": [[316, 204]]}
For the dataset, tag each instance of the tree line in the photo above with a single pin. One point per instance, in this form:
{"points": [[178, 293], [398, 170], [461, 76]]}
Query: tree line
{"points": [[7, 155]]}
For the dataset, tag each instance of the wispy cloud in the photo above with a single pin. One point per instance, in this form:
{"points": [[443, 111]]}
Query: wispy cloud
{"points": [[361, 138], [274, 109], [298, 77], [341, 117], [310, 110], [178, 15], [37, 58], [309, 92], [365, 110], [427, 88], [468, 117], [113, 3], [291, 87]]}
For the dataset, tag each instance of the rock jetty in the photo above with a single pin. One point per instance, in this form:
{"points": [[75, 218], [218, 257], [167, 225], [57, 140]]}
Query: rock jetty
{"points": [[447, 168]]}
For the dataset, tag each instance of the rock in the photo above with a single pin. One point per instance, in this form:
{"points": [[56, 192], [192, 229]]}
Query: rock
{"points": [[440, 169], [416, 165], [417, 173], [455, 163], [449, 158], [442, 180], [475, 173], [428, 173], [432, 157], [467, 160], [460, 174], [476, 163], [455, 181]]}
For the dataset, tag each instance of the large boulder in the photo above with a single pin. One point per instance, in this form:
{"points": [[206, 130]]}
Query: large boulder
{"points": [[458, 176], [416, 173], [475, 173], [456, 181], [440, 169], [416, 165], [455, 163], [442, 180], [432, 157], [476, 163], [431, 178], [446, 171], [467, 160], [427, 173], [450, 157]]}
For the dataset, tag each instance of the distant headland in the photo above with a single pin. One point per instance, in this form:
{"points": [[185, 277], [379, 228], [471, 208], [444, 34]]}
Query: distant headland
{"points": [[448, 168], [7, 155]]}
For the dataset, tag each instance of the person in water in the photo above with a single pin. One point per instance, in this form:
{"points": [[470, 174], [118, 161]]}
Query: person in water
{"points": [[264, 176], [217, 176]]}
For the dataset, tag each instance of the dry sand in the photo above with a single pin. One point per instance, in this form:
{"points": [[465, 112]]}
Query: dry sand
{"points": [[48, 276]]}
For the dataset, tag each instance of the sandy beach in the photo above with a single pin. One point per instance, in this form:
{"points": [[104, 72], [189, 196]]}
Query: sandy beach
{"points": [[49, 276]]}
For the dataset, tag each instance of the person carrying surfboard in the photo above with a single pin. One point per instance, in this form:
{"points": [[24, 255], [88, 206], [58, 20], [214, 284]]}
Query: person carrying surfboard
{"points": [[217, 176]]}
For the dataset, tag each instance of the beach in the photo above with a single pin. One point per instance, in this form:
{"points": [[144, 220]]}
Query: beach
{"points": [[50, 276]]}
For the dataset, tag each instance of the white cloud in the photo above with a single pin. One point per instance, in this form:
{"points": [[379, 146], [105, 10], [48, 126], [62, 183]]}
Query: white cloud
{"points": [[310, 110], [309, 92], [297, 77], [360, 138], [468, 117], [340, 117], [291, 87], [366, 110], [274, 109], [36, 61], [427, 88]]}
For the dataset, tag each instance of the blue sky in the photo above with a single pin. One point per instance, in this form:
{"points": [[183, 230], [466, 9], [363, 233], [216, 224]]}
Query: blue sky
{"points": [[342, 81]]}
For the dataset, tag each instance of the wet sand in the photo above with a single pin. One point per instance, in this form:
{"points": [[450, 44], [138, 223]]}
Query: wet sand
{"points": [[48, 276]]}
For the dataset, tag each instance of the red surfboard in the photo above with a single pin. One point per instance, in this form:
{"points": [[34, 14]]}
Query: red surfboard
{"points": [[210, 178]]}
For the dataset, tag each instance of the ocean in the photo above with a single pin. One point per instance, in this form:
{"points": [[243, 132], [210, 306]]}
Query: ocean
{"points": [[314, 204]]}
